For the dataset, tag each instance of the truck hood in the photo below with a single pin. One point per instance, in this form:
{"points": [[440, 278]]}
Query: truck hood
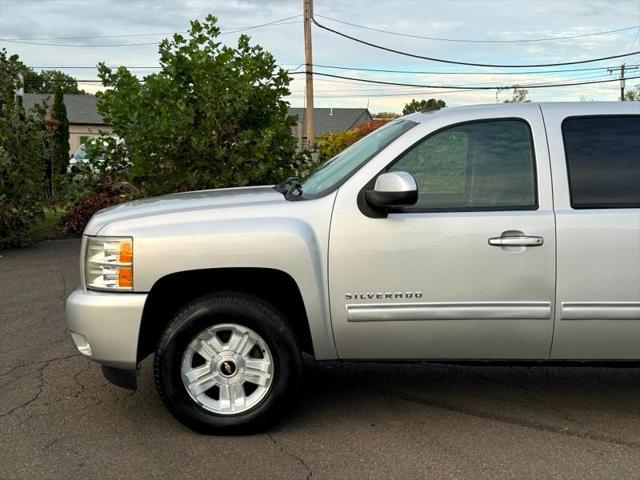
{"points": [[183, 202]]}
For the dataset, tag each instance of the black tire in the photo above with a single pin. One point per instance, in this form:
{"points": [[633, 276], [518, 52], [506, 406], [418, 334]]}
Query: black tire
{"points": [[220, 308]]}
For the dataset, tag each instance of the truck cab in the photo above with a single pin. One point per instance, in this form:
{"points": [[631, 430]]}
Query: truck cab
{"points": [[484, 233]]}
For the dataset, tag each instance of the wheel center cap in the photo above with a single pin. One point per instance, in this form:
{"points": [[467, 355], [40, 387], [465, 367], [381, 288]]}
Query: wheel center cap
{"points": [[227, 368]]}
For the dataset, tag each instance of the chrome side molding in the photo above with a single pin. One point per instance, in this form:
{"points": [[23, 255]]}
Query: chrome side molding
{"points": [[449, 311], [600, 311]]}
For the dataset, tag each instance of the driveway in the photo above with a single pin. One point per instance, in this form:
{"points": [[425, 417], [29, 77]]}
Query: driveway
{"points": [[60, 419]]}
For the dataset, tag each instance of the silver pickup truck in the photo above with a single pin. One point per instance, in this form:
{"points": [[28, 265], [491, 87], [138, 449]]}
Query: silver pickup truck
{"points": [[484, 233]]}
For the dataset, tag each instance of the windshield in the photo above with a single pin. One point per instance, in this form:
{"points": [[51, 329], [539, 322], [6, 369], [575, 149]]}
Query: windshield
{"points": [[335, 171]]}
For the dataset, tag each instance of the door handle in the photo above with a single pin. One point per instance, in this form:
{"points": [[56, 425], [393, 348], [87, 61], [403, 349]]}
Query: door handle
{"points": [[516, 241]]}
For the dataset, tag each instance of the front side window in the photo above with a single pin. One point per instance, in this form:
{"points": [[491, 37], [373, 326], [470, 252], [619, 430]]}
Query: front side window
{"points": [[483, 165], [335, 171], [603, 161]]}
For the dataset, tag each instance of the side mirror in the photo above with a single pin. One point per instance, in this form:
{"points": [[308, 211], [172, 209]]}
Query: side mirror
{"points": [[393, 189]]}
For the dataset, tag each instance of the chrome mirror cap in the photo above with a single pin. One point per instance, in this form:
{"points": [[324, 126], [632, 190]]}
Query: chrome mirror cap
{"points": [[393, 189], [395, 182]]}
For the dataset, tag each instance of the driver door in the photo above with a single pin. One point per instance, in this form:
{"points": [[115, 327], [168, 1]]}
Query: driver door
{"points": [[432, 281]]}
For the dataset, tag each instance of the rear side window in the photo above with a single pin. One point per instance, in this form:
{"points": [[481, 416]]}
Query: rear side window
{"points": [[603, 161]]}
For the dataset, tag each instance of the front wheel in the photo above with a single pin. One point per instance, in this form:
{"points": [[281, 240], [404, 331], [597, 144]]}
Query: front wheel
{"points": [[227, 363]]}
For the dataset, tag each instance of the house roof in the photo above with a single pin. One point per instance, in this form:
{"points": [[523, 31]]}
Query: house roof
{"points": [[332, 120], [81, 109]]}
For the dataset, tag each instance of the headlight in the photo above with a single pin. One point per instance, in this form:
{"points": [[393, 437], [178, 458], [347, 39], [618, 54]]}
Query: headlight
{"points": [[109, 263]]}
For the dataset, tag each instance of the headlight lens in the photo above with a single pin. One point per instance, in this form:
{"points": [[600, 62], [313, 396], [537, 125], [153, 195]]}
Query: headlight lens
{"points": [[109, 263]]}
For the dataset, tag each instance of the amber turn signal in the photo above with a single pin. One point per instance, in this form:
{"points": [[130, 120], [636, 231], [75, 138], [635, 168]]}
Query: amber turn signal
{"points": [[126, 252], [125, 277]]}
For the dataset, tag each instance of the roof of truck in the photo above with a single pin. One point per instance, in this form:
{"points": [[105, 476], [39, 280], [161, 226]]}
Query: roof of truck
{"points": [[583, 108]]}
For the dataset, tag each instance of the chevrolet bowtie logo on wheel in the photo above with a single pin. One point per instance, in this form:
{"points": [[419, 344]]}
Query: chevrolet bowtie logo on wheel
{"points": [[228, 368]]}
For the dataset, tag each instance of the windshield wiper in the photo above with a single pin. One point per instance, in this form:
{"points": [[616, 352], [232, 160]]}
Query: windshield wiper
{"points": [[289, 186]]}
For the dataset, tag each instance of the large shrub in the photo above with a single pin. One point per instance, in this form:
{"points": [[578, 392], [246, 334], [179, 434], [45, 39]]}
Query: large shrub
{"points": [[213, 116], [105, 164], [331, 144], [102, 176], [81, 211], [21, 164]]}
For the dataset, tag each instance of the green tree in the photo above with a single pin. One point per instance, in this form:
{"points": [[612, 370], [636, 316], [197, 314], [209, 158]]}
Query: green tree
{"points": [[48, 81], [423, 105], [386, 115], [519, 95], [21, 152], [213, 116], [633, 94], [59, 135]]}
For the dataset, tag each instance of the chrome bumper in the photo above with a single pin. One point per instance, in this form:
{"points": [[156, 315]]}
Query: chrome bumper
{"points": [[105, 326]]}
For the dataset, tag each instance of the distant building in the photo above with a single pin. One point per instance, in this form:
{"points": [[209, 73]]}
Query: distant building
{"points": [[82, 112], [85, 121], [329, 120]]}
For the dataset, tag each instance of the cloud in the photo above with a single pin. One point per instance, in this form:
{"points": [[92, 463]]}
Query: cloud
{"points": [[470, 19]]}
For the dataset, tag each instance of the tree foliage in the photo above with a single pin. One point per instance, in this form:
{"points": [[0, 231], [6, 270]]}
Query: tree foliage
{"points": [[80, 212], [213, 116], [59, 134], [21, 153], [331, 144], [633, 94], [101, 180], [105, 166], [386, 115], [519, 95], [423, 105], [49, 81]]}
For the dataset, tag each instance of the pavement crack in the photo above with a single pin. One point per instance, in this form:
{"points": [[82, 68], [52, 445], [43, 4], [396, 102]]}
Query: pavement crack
{"points": [[40, 387], [44, 364], [81, 385], [300, 460], [39, 362], [557, 429]]}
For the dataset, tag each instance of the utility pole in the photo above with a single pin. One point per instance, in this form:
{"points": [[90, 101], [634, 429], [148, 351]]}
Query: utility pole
{"points": [[623, 68], [308, 60]]}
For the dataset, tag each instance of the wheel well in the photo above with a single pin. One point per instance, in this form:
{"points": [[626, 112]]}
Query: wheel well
{"points": [[171, 293]]}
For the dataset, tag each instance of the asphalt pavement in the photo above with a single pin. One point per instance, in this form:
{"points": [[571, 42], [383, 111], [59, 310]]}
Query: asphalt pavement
{"points": [[59, 418]]}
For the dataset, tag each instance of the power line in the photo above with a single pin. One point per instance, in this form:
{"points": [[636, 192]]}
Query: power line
{"points": [[459, 40], [78, 45], [91, 37], [230, 30], [415, 93], [354, 80], [634, 40], [422, 72], [279, 22], [352, 68], [93, 67], [538, 81], [456, 62], [458, 87]]}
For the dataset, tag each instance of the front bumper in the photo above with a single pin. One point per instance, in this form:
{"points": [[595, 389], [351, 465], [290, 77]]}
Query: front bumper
{"points": [[105, 326]]}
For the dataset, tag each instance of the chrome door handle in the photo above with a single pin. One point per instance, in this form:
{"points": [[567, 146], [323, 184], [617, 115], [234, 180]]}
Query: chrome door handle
{"points": [[516, 241]]}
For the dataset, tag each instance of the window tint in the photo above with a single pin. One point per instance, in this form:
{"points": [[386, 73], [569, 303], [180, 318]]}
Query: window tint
{"points": [[485, 165], [603, 161]]}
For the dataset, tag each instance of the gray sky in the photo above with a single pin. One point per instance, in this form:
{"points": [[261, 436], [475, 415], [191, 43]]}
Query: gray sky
{"points": [[40, 20]]}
